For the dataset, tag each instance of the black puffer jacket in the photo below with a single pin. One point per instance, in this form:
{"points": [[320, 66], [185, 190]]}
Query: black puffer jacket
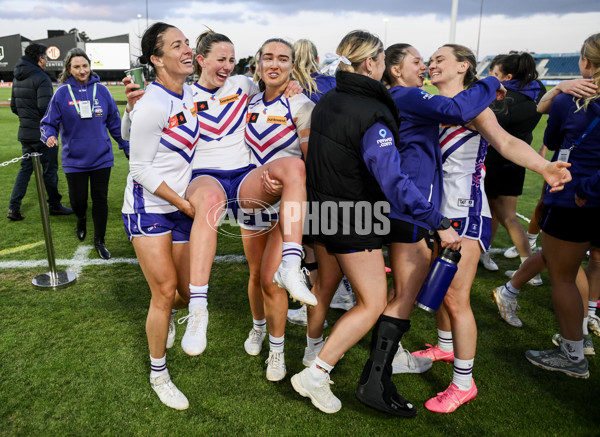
{"points": [[31, 93]]}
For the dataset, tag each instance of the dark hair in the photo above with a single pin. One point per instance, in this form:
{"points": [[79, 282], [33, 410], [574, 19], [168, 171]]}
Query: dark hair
{"points": [[261, 84], [204, 44], [520, 65], [465, 54], [66, 72], [152, 43], [35, 51], [394, 55]]}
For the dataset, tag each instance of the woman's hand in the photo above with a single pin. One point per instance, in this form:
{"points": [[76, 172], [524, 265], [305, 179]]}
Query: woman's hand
{"points": [[579, 201], [132, 92], [271, 186], [52, 141], [578, 87], [500, 92], [292, 89], [556, 175], [450, 239], [187, 208]]}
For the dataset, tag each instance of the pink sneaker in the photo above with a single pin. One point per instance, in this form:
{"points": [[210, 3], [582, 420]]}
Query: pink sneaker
{"points": [[435, 353], [451, 398]]}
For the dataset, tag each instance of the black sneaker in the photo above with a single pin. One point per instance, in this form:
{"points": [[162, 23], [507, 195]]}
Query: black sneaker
{"points": [[61, 210], [15, 216]]}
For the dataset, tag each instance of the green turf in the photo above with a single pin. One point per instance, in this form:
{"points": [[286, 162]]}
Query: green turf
{"points": [[75, 361]]}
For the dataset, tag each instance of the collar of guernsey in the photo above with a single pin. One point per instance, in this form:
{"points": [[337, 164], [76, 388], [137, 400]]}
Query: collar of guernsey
{"points": [[75, 100]]}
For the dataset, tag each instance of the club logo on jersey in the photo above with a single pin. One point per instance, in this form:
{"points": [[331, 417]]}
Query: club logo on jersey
{"points": [[177, 120], [465, 203], [252, 117], [274, 119], [98, 111], [229, 99], [201, 106]]}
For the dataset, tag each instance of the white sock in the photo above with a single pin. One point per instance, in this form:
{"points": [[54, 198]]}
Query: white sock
{"points": [[312, 343], [592, 305], [198, 296], [445, 340], [291, 255], [573, 349], [276, 343], [532, 237], [158, 366], [523, 258], [319, 369], [463, 373], [509, 292], [259, 325], [585, 325]]}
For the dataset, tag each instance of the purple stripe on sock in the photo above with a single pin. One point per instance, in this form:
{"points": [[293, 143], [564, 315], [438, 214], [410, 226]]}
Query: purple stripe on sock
{"points": [[260, 324], [158, 368], [198, 295], [272, 343], [462, 371], [292, 252]]}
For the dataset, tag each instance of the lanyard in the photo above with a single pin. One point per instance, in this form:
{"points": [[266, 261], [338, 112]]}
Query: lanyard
{"points": [[587, 131], [75, 100]]}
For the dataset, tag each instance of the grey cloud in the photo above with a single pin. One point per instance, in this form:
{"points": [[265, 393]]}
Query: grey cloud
{"points": [[125, 10]]}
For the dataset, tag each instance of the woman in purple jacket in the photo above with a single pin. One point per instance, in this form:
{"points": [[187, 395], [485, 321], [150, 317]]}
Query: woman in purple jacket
{"points": [[83, 111], [570, 218]]}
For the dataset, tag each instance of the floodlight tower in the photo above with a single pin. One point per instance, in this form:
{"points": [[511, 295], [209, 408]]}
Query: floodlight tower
{"points": [[453, 15]]}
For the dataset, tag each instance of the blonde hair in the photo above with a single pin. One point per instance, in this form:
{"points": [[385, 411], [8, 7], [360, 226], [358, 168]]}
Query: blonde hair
{"points": [[66, 71], [306, 64], [357, 46], [591, 51]]}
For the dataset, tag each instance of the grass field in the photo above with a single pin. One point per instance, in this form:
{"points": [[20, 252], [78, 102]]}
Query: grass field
{"points": [[75, 361]]}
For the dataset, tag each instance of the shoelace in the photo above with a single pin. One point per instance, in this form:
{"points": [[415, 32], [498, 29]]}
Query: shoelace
{"points": [[274, 359], [194, 322], [255, 335]]}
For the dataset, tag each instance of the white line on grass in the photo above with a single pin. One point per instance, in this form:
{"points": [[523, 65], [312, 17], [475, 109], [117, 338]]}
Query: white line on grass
{"points": [[80, 260]]}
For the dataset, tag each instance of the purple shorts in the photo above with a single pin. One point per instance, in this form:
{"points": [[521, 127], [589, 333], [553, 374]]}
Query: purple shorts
{"points": [[474, 228], [175, 223]]}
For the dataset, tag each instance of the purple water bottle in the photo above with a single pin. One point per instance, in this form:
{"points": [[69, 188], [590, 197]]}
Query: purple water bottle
{"points": [[438, 280]]}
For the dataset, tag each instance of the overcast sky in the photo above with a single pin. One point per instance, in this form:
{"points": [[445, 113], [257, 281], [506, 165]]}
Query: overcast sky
{"points": [[542, 26]]}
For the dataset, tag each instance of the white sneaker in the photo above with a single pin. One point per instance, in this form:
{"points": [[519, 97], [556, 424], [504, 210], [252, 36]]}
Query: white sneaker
{"points": [[404, 362], [194, 339], [171, 334], [168, 393], [594, 324], [299, 317], [507, 308], [310, 354], [488, 263], [275, 366], [293, 281], [343, 299], [254, 342], [535, 281], [511, 252], [317, 390]]}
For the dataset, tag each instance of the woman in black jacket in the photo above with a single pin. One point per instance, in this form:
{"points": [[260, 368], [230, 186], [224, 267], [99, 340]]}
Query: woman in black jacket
{"points": [[517, 114]]}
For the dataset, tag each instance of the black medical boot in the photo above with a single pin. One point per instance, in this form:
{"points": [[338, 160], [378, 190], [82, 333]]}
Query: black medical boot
{"points": [[101, 248], [375, 387]]}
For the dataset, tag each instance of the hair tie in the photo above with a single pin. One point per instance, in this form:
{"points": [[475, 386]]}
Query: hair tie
{"points": [[332, 67]]}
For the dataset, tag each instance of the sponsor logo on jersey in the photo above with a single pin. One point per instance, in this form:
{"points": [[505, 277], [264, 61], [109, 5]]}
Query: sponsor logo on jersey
{"points": [[466, 203], [71, 102], [201, 106], [251, 117], [212, 97], [229, 99], [426, 95], [177, 120], [98, 111], [384, 141], [193, 111], [265, 111], [275, 119]]}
